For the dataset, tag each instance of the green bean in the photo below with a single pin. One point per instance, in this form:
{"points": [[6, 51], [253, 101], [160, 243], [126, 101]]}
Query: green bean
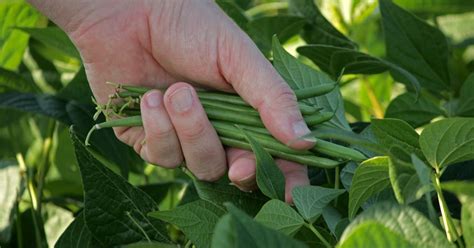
{"points": [[230, 107], [318, 118], [131, 121], [309, 160], [314, 91], [225, 115], [230, 131], [337, 151]]}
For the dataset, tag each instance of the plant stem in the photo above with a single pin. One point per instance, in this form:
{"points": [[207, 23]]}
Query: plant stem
{"points": [[44, 166], [449, 228], [188, 244], [316, 232]]}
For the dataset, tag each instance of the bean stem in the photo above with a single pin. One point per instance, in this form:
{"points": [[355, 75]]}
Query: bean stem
{"points": [[318, 234]]}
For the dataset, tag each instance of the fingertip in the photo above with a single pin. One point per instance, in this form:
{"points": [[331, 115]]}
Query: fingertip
{"points": [[152, 99], [295, 175]]}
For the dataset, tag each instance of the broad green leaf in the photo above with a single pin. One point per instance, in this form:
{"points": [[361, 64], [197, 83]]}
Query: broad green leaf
{"points": [[53, 37], [11, 80], [319, 30], [369, 178], [220, 193], [466, 98], [415, 46], [403, 221], [311, 200], [237, 229], [394, 133], [77, 235], [234, 12], [14, 42], [114, 210], [150, 245], [417, 112], [10, 189], [437, 6], [299, 75], [373, 234], [465, 192], [332, 217], [280, 216], [261, 30], [405, 182], [334, 60], [270, 178], [196, 219], [448, 141]]}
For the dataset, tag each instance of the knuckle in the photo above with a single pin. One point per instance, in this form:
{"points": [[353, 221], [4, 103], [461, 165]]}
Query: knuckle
{"points": [[195, 132]]}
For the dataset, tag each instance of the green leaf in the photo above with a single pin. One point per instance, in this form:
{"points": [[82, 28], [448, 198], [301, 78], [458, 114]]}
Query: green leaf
{"points": [[379, 236], [299, 75], [114, 210], [77, 235], [14, 42], [10, 190], [416, 111], [405, 182], [278, 215], [394, 133], [406, 39], [403, 221], [465, 192], [270, 178], [56, 220], [53, 37], [311, 200], [319, 30], [237, 229], [219, 193], [77, 89], [196, 219], [334, 60], [369, 178], [11, 80], [234, 12], [466, 98], [437, 6], [448, 141], [262, 29], [150, 245]]}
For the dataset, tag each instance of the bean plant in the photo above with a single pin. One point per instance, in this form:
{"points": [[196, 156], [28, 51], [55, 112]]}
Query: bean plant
{"points": [[386, 87]]}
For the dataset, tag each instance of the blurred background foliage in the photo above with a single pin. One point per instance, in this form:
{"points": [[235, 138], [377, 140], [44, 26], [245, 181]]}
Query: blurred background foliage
{"points": [[44, 89]]}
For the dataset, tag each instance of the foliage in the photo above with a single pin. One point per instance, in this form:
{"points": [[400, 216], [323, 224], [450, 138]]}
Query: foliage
{"points": [[404, 100]]}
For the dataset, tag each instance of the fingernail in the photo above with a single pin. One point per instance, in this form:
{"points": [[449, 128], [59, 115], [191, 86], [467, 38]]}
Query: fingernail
{"points": [[247, 181], [153, 99], [182, 100], [300, 129]]}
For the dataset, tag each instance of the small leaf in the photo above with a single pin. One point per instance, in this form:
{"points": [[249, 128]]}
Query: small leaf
{"points": [[392, 133], [369, 178], [77, 235], [196, 219], [448, 141], [465, 193], [299, 76], [278, 215], [237, 229], [270, 179], [219, 193], [402, 221], [417, 112], [406, 39], [10, 190], [114, 210], [334, 60], [311, 200]]}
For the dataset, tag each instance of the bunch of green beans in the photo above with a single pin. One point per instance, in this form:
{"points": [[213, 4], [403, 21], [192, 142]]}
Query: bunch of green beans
{"points": [[225, 111]]}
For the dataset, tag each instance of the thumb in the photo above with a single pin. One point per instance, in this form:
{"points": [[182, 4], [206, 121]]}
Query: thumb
{"points": [[253, 77]]}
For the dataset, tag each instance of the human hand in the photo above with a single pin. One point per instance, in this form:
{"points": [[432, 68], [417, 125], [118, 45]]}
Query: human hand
{"points": [[164, 44]]}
